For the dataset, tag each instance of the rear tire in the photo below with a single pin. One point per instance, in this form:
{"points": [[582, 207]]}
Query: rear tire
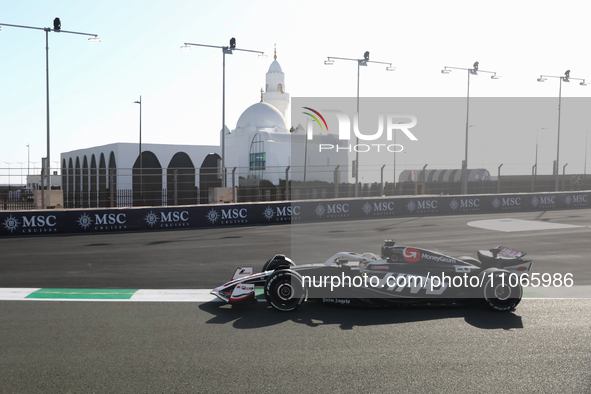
{"points": [[284, 290], [500, 295]]}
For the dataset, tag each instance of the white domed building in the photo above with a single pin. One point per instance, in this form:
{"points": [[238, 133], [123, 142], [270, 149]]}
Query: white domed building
{"points": [[263, 144]]}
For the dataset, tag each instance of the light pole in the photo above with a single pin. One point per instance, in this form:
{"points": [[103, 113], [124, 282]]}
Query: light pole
{"points": [[28, 159], [226, 50], [565, 78], [395, 151], [8, 174], [360, 62], [471, 71], [536, 164], [585, 172], [140, 154], [57, 27], [21, 163]]}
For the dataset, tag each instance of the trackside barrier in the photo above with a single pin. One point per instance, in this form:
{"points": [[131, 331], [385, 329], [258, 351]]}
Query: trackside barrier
{"points": [[82, 221]]}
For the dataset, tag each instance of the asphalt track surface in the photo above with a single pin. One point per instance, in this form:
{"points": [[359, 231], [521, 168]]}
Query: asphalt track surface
{"points": [[190, 259], [57, 347]]}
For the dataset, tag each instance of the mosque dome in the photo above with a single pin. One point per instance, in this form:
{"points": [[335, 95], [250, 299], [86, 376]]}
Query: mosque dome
{"points": [[275, 67], [262, 115]]}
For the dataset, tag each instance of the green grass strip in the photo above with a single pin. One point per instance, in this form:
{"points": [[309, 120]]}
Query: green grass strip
{"points": [[84, 294], [259, 293]]}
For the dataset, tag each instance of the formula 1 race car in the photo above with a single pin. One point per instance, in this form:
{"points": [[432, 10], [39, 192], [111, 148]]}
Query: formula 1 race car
{"points": [[402, 275]]}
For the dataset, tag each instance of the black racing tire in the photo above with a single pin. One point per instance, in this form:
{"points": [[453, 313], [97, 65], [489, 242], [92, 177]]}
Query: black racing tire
{"points": [[501, 296], [285, 290]]}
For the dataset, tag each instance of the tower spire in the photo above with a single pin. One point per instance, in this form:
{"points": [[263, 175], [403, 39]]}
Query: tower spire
{"points": [[275, 56], [261, 95]]}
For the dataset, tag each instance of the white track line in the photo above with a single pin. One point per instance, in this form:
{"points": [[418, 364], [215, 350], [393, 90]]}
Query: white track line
{"points": [[202, 295]]}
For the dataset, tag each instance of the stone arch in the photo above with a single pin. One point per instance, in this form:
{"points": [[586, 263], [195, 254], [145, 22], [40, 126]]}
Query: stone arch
{"points": [[208, 176], [102, 182], [185, 180], [70, 190], [77, 188], [93, 183], [112, 179], [147, 180], [84, 183]]}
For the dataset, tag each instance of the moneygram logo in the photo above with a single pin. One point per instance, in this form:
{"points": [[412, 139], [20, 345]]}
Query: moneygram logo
{"points": [[389, 122]]}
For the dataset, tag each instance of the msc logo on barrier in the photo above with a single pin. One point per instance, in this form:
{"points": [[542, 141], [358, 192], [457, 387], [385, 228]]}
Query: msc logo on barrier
{"points": [[106, 221], [422, 206], [168, 219], [507, 203], [465, 204], [576, 200], [282, 214], [31, 224], [379, 208], [340, 210], [228, 216], [544, 202]]}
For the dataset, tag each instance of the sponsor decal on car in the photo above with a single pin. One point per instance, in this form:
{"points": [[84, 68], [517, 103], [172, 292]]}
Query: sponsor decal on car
{"points": [[379, 267], [438, 258], [411, 255], [337, 300]]}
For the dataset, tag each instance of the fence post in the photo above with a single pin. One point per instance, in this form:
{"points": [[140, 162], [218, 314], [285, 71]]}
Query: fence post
{"points": [[336, 181], [42, 188], [111, 191], [382, 181], [176, 200], [287, 183], [234, 185], [499, 180]]}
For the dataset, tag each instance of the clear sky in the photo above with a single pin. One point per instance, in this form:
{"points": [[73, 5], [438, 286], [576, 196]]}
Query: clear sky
{"points": [[93, 85]]}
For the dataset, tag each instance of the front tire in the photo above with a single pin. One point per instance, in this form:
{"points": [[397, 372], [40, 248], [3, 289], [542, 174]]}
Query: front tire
{"points": [[499, 295], [284, 290]]}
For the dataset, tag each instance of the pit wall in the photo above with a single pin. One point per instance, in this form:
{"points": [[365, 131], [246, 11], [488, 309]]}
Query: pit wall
{"points": [[89, 221]]}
